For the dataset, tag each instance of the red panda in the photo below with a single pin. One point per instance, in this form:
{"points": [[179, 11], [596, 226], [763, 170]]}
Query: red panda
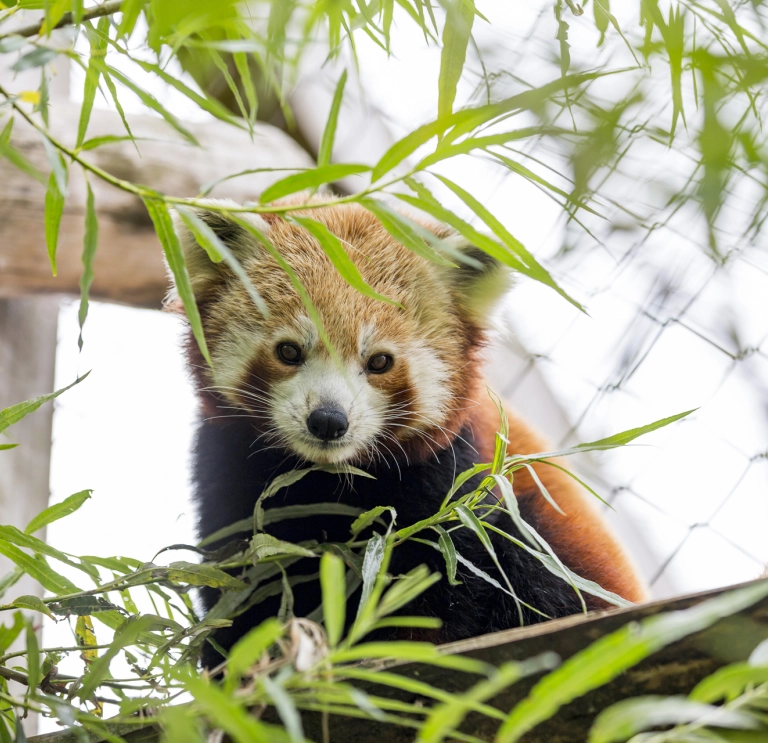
{"points": [[405, 400]]}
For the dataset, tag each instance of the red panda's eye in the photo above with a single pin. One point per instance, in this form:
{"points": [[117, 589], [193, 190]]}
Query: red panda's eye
{"points": [[289, 353], [380, 363]]}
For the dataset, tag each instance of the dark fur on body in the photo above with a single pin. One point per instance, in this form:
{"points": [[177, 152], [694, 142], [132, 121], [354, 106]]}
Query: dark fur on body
{"points": [[231, 473]]}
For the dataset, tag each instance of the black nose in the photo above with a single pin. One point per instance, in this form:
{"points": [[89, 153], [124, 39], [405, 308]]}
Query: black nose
{"points": [[327, 423]]}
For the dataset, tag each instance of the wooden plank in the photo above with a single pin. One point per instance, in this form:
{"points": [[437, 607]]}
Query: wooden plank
{"points": [[674, 670], [128, 265]]}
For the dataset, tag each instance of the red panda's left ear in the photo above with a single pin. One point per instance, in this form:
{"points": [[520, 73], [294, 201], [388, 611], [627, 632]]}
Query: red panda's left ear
{"points": [[478, 282]]}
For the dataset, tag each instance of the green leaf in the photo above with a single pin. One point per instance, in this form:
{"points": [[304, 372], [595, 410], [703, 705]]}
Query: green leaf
{"points": [[5, 447], [286, 709], [33, 603], [58, 511], [15, 413], [613, 654], [131, 10], [38, 57], [275, 486], [98, 43], [729, 682], [421, 652], [601, 10], [126, 636], [445, 544], [33, 659], [218, 251], [247, 651], [631, 716], [411, 234], [406, 588], [54, 209], [147, 99], [301, 290], [10, 153], [620, 439], [334, 249], [364, 520], [265, 545], [211, 105], [456, 34], [533, 268], [90, 243], [194, 574], [20, 539], [310, 179], [38, 569], [158, 212], [372, 565], [334, 600], [178, 725], [228, 713], [329, 133]]}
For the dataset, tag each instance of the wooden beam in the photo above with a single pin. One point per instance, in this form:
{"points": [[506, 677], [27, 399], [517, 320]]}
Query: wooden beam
{"points": [[675, 669], [128, 264]]}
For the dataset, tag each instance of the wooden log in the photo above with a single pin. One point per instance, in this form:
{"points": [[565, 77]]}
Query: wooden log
{"points": [[675, 669], [128, 264]]}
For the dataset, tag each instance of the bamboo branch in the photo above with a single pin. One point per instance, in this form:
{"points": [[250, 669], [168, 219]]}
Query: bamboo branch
{"points": [[33, 29]]}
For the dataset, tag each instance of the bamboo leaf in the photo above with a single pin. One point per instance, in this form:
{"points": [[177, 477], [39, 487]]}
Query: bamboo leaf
{"points": [[127, 635], [456, 34], [247, 651], [226, 712], [329, 133], [98, 43], [192, 574], [33, 603], [158, 212], [86, 637], [10, 153], [34, 676], [445, 543], [334, 600], [54, 209], [631, 716], [533, 268], [334, 249], [38, 569], [90, 243], [286, 708], [15, 413], [310, 179], [58, 511], [411, 234], [146, 98], [620, 439], [611, 655], [729, 682], [218, 251], [372, 564], [366, 519]]}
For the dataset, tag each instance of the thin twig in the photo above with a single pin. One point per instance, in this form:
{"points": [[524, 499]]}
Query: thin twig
{"points": [[33, 29]]}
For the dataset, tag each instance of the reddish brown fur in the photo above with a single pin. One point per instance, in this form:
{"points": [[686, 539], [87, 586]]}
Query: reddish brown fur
{"points": [[431, 316]]}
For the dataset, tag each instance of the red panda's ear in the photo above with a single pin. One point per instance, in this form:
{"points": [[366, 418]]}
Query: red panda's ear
{"points": [[204, 273], [478, 282]]}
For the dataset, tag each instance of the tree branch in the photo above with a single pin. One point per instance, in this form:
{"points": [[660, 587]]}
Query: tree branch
{"points": [[33, 29]]}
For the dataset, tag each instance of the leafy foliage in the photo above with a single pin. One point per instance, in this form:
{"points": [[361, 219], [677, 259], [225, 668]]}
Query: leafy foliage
{"points": [[584, 116]]}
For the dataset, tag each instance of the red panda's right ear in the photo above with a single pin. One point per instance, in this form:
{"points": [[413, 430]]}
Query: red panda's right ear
{"points": [[204, 273]]}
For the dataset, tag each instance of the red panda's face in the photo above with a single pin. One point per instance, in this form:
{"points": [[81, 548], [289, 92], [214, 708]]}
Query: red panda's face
{"points": [[387, 382]]}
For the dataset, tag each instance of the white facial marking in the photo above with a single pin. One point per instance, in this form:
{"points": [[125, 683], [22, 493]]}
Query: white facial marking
{"points": [[320, 383]]}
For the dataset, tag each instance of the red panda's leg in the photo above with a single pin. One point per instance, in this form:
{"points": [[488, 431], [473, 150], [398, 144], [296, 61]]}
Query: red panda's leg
{"points": [[581, 538]]}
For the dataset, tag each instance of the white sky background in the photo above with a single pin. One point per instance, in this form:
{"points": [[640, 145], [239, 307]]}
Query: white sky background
{"points": [[126, 431]]}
